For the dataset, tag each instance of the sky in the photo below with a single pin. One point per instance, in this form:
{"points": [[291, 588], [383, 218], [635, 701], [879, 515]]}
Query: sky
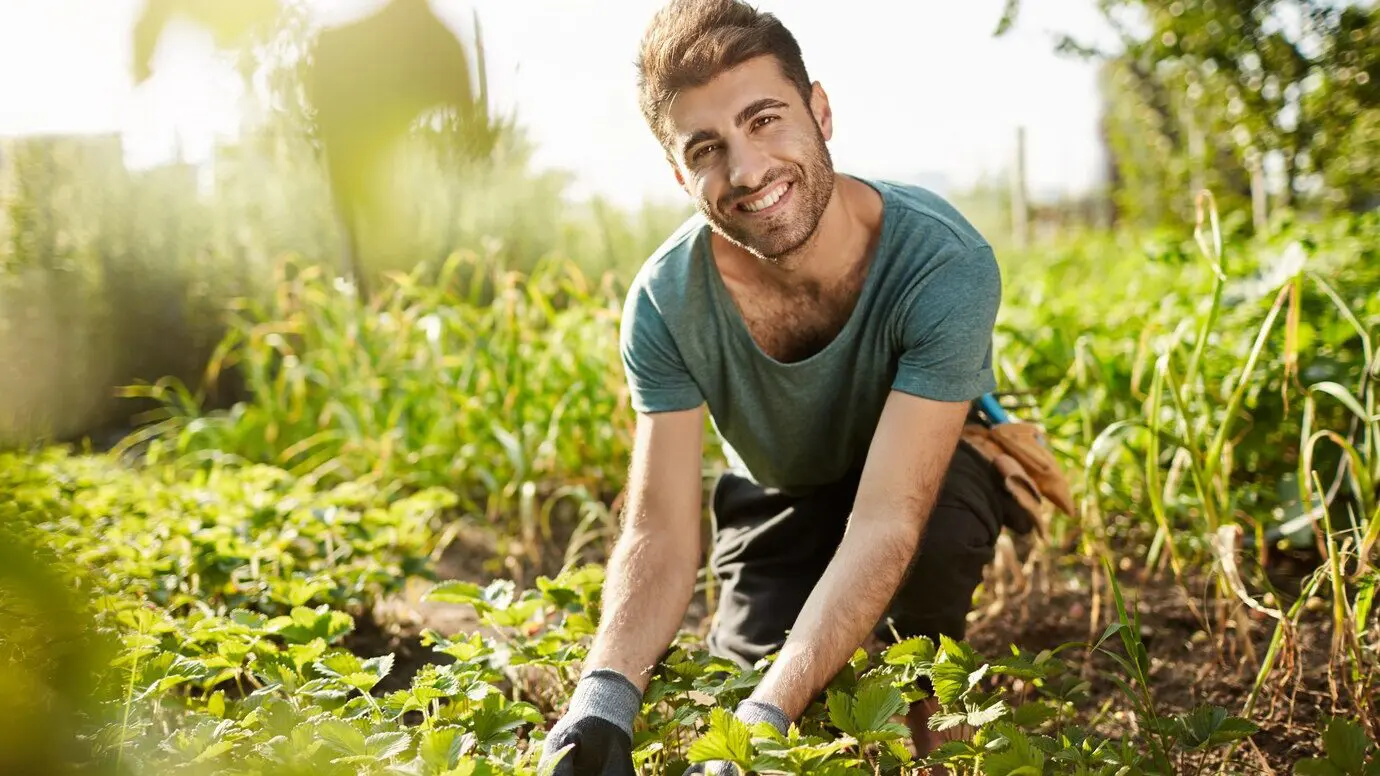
{"points": [[921, 90]]}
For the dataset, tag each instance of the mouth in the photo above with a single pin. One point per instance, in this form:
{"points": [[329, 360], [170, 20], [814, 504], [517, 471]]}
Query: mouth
{"points": [[767, 202]]}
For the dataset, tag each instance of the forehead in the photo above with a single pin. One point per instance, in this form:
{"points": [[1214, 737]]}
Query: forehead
{"points": [[714, 105]]}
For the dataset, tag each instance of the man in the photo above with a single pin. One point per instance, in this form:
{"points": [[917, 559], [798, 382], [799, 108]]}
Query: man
{"points": [[838, 331]]}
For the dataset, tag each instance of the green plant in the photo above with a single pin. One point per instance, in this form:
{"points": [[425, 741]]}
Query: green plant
{"points": [[1349, 752]]}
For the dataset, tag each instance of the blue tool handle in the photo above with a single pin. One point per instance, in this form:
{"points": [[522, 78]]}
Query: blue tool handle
{"points": [[993, 409]]}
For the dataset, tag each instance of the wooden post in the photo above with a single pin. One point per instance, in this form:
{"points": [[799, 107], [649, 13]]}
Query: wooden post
{"points": [[1020, 212]]}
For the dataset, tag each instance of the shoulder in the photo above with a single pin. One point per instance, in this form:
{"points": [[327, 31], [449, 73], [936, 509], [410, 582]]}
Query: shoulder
{"points": [[939, 267], [665, 275], [916, 213], [660, 291]]}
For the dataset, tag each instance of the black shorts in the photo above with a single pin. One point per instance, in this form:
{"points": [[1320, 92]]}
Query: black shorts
{"points": [[769, 550]]}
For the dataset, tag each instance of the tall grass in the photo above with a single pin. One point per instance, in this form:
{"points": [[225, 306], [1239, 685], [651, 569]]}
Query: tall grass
{"points": [[1221, 409], [498, 385]]}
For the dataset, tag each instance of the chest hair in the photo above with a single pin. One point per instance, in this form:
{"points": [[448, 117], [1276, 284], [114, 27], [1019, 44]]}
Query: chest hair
{"points": [[793, 323]]}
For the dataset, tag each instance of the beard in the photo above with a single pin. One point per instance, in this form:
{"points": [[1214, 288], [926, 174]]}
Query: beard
{"points": [[778, 237]]}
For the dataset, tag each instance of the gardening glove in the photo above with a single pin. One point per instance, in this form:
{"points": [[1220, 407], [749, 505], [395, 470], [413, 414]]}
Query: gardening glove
{"points": [[750, 712], [598, 723]]}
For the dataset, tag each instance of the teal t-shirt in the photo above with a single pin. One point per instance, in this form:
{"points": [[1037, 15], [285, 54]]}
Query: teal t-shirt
{"points": [[922, 324]]}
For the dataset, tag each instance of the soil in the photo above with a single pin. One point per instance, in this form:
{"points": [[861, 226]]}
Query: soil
{"points": [[1192, 662]]}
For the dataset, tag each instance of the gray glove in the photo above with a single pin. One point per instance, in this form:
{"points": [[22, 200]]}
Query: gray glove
{"points": [[598, 722], [750, 712]]}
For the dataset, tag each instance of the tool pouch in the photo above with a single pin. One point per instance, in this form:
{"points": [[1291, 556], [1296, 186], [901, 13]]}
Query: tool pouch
{"points": [[1027, 468]]}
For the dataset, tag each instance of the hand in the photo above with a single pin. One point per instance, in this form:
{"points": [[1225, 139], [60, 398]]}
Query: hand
{"points": [[750, 712], [598, 727]]}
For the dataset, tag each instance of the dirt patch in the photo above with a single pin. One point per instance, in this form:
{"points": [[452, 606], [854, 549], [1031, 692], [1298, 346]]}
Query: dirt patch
{"points": [[1192, 662]]}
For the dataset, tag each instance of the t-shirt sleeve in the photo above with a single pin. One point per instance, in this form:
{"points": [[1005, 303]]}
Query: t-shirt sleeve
{"points": [[946, 324], [658, 379]]}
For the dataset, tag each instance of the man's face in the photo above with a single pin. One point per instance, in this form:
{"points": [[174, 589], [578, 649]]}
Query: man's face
{"points": [[752, 154]]}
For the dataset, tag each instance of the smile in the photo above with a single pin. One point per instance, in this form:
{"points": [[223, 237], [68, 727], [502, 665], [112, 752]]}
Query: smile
{"points": [[768, 200]]}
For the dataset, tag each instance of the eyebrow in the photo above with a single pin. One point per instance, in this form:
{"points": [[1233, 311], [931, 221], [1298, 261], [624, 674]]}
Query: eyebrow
{"points": [[744, 115]]}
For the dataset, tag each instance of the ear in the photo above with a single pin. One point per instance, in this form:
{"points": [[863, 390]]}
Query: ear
{"points": [[819, 106], [680, 177]]}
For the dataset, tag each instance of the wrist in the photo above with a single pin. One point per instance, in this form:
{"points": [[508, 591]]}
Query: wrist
{"points": [[607, 694], [752, 712]]}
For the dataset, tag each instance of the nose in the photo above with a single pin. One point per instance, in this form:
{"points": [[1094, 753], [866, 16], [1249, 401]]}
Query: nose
{"points": [[747, 164]]}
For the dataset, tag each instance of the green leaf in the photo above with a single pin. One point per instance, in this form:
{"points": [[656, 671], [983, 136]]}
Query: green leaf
{"points": [[386, 745], [976, 675], [1365, 594], [1313, 766], [1112, 630], [876, 703], [918, 649], [216, 705], [1198, 725], [1018, 758], [959, 652], [1233, 729], [1032, 714], [1346, 744], [986, 716], [1344, 396], [898, 749], [950, 751], [950, 681], [343, 736], [1019, 667], [455, 591], [726, 739], [841, 712], [946, 720], [1008, 17]]}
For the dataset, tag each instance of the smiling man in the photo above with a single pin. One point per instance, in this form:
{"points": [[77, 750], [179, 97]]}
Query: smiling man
{"points": [[837, 330]]}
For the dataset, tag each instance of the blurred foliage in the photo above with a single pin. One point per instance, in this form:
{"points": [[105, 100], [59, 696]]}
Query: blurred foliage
{"points": [[364, 85], [52, 657], [1200, 92], [232, 24], [110, 275]]}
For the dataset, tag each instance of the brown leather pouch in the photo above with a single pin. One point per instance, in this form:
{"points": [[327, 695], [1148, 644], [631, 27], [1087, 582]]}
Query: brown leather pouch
{"points": [[1027, 467]]}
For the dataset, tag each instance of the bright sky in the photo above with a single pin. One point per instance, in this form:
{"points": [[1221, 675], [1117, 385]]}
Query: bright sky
{"points": [[919, 87]]}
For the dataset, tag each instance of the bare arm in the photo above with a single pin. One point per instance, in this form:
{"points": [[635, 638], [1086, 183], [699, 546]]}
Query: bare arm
{"points": [[651, 571], [905, 469]]}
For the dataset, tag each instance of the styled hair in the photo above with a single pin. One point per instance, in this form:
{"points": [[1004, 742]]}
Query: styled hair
{"points": [[689, 42]]}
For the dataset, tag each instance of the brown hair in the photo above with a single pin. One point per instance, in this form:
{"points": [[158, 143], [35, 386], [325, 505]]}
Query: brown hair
{"points": [[689, 42]]}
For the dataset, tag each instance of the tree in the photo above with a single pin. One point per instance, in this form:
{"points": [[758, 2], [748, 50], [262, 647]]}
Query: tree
{"points": [[1211, 92]]}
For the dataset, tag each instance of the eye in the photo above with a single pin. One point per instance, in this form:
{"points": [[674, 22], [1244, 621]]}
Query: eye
{"points": [[762, 120], [701, 151]]}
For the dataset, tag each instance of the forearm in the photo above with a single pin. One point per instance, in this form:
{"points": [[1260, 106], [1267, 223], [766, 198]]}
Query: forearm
{"points": [[849, 599], [650, 579]]}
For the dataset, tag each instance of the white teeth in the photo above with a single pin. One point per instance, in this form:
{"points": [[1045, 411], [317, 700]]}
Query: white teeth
{"points": [[766, 201]]}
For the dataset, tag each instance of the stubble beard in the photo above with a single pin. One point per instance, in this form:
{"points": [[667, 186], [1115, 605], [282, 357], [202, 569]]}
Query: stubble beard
{"points": [[784, 239]]}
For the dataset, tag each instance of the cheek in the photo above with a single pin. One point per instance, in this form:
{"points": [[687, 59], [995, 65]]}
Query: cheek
{"points": [[706, 186], [795, 146]]}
